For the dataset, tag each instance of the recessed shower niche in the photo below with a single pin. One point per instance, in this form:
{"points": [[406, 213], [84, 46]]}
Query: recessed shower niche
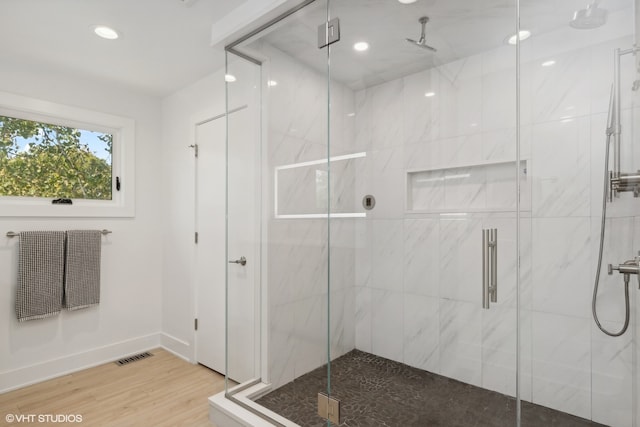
{"points": [[478, 187]]}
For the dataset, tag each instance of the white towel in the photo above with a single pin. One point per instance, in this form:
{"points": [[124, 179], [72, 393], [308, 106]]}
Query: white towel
{"points": [[82, 269], [40, 274]]}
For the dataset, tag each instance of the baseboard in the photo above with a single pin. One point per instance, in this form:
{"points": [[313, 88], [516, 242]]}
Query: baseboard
{"points": [[22, 377], [177, 347]]}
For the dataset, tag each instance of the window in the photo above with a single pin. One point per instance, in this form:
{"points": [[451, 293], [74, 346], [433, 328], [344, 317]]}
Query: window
{"points": [[50, 152], [46, 160]]}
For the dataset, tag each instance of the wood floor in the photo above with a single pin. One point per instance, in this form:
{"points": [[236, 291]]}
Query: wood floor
{"points": [[162, 390]]}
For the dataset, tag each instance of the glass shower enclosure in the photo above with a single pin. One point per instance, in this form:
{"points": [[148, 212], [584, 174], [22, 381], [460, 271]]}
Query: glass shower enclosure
{"points": [[416, 188]]}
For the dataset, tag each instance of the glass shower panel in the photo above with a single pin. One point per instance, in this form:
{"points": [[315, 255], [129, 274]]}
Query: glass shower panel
{"points": [[243, 222], [297, 185], [432, 122], [570, 370]]}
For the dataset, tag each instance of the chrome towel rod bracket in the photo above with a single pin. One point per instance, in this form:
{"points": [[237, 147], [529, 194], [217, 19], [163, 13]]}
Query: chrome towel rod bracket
{"points": [[14, 234]]}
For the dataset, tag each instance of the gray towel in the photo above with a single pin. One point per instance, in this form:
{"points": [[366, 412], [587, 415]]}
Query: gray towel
{"points": [[40, 274], [82, 269]]}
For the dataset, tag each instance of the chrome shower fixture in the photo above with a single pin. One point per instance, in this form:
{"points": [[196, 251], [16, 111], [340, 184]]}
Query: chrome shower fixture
{"points": [[589, 18], [422, 41]]}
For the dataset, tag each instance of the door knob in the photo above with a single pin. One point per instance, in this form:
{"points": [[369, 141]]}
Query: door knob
{"points": [[241, 261]]}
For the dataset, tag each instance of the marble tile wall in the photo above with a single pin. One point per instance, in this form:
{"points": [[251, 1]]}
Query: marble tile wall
{"points": [[418, 272], [406, 285], [299, 263]]}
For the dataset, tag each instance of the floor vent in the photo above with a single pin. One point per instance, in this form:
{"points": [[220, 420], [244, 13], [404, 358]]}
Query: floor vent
{"points": [[133, 358]]}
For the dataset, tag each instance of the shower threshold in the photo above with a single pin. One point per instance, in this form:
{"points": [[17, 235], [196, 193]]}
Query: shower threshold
{"points": [[379, 392]]}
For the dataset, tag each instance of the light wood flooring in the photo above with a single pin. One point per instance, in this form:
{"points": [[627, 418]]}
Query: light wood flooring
{"points": [[162, 390]]}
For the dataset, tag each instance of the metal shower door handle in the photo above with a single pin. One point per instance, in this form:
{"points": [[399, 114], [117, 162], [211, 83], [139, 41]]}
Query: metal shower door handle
{"points": [[241, 261], [489, 266]]}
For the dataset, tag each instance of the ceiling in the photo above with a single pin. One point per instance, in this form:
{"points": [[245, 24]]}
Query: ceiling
{"points": [[165, 44], [457, 28]]}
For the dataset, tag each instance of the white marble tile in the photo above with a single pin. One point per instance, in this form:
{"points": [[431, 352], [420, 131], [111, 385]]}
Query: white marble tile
{"points": [[421, 256], [462, 150], [461, 341], [297, 259], [499, 99], [281, 344], [562, 280], [525, 379], [425, 191], [423, 155], [386, 115], [349, 321], [386, 324], [363, 252], [286, 149], [387, 181], [342, 253], [301, 99], [499, 339], [465, 188], [339, 321], [559, 94], [387, 252], [310, 334], [461, 260], [617, 248], [562, 363], [362, 117], [500, 144], [459, 96], [500, 188], [560, 168], [363, 316], [421, 114], [421, 332], [601, 73], [612, 376]]}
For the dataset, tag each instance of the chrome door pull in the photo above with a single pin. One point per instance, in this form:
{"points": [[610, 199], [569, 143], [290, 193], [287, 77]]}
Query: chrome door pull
{"points": [[489, 266], [241, 261]]}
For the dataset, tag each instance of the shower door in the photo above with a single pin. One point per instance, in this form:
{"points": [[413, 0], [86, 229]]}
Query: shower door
{"points": [[433, 123], [382, 163], [567, 69]]}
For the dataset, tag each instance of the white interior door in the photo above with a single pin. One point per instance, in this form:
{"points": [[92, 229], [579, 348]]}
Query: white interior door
{"points": [[211, 256]]}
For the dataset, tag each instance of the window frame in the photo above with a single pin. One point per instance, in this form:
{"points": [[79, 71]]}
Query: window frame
{"points": [[122, 203]]}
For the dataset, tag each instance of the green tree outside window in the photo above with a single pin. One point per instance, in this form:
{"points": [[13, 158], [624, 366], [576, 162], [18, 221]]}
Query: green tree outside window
{"points": [[44, 160]]}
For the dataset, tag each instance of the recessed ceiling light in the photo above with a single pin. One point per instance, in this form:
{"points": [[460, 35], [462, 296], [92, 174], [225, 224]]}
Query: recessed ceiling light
{"points": [[429, 94], [271, 83], [229, 78], [524, 34], [407, 1], [548, 63], [361, 46], [105, 32]]}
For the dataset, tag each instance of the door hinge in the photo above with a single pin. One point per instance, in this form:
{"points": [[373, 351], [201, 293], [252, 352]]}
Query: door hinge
{"points": [[196, 237], [195, 324], [329, 408], [195, 149], [328, 33]]}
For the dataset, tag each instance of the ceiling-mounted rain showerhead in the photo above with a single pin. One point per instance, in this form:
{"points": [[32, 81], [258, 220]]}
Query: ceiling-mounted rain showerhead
{"points": [[422, 41], [589, 18]]}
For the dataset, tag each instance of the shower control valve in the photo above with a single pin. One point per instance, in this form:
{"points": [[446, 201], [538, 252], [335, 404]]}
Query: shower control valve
{"points": [[631, 266]]}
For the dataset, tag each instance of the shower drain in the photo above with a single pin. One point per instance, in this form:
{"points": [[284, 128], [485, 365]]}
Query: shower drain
{"points": [[133, 358]]}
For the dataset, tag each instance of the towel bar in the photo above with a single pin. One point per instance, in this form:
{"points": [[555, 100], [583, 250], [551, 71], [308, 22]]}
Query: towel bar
{"points": [[14, 234]]}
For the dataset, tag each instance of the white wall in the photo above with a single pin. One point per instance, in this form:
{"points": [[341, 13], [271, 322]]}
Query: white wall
{"points": [[127, 319], [180, 112]]}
